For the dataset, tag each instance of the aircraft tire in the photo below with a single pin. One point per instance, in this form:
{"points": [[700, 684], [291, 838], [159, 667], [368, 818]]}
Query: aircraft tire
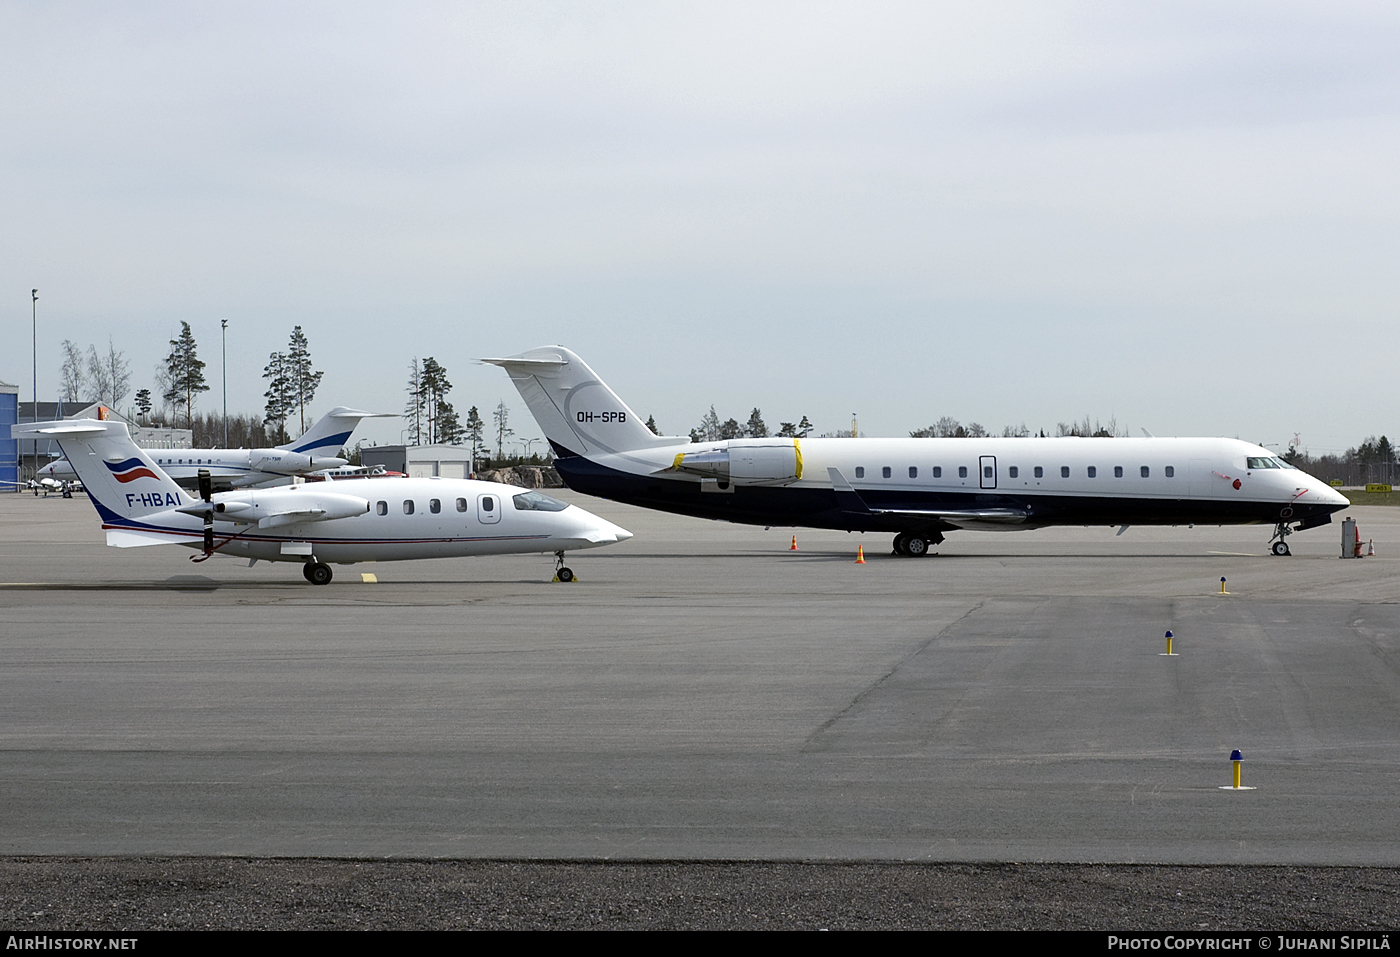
{"points": [[1281, 548], [915, 545], [566, 574], [901, 544], [317, 573]]}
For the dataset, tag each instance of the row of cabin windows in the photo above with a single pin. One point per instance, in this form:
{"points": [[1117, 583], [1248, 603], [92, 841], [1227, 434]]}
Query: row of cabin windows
{"points": [[524, 502], [1015, 472], [435, 506]]}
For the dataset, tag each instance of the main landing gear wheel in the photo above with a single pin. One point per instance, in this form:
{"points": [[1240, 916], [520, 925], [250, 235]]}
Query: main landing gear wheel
{"points": [[1281, 548], [910, 545], [317, 573]]}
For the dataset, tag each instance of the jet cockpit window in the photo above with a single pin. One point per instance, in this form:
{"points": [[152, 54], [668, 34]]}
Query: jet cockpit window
{"points": [[1261, 462], [538, 502]]}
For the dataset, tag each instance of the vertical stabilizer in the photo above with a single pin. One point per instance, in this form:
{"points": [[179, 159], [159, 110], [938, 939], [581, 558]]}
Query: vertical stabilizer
{"points": [[329, 434], [577, 411], [122, 480]]}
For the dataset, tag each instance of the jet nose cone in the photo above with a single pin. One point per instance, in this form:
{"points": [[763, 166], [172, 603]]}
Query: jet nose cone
{"points": [[622, 533]]}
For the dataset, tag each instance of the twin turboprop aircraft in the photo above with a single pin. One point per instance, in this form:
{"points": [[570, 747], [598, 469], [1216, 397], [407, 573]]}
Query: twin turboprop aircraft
{"points": [[315, 451], [917, 489], [348, 521]]}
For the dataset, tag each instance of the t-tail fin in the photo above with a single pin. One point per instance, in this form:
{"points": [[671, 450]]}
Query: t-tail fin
{"points": [[330, 433], [123, 481], [577, 411]]}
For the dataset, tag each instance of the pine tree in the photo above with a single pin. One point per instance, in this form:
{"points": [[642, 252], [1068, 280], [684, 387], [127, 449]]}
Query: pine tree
{"points": [[184, 372], [303, 378], [432, 394], [474, 432], [143, 405], [756, 429], [449, 427], [651, 424], [280, 395]]}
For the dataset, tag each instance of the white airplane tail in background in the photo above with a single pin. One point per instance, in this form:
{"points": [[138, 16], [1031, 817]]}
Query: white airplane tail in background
{"points": [[329, 434], [579, 414], [122, 480]]}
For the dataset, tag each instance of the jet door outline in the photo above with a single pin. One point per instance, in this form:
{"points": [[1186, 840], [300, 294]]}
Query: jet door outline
{"points": [[987, 469], [488, 509]]}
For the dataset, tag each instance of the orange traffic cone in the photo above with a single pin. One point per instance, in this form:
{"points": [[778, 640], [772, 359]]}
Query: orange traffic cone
{"points": [[794, 544], [860, 554]]}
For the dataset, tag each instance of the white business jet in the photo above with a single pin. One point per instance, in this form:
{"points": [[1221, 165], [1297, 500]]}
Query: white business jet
{"points": [[240, 468], [356, 520], [916, 488]]}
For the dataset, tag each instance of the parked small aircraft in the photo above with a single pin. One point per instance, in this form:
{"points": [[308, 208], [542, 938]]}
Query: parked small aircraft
{"points": [[355, 520], [916, 488], [240, 468]]}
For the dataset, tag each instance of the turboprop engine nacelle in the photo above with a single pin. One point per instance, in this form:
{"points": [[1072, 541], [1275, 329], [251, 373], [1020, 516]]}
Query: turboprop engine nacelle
{"points": [[745, 462], [284, 506]]}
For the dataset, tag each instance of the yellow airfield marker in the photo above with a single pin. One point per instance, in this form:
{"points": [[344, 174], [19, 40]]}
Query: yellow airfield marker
{"points": [[1169, 653], [368, 578], [1222, 586], [1235, 758]]}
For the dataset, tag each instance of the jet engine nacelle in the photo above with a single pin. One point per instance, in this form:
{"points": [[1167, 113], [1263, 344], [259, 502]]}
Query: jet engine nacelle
{"points": [[745, 462]]}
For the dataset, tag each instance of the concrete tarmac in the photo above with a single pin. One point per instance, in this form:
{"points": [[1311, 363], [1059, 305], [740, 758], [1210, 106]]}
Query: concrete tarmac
{"points": [[703, 692]]}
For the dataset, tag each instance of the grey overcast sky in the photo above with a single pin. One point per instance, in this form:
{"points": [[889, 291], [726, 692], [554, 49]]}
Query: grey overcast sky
{"points": [[1183, 215]]}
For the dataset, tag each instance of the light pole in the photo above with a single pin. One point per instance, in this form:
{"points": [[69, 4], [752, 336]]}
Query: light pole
{"points": [[34, 318], [223, 324]]}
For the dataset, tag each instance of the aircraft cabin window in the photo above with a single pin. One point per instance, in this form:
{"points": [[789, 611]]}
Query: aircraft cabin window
{"points": [[913, 471], [885, 472], [1170, 471], [986, 471], [382, 508], [1039, 472], [1117, 471], [962, 471], [1146, 471], [1064, 471], [434, 506], [938, 471], [488, 503], [408, 506], [1013, 471], [1093, 471], [461, 505], [860, 471]]}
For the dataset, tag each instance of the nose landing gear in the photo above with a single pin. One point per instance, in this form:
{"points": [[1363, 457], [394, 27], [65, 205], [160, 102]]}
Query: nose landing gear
{"points": [[914, 544], [1281, 532], [561, 573]]}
